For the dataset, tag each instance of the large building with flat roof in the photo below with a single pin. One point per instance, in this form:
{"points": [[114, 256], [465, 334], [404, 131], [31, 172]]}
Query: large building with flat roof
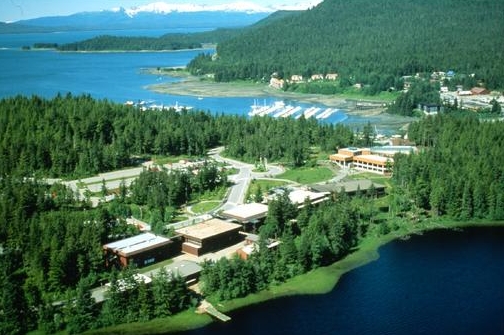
{"points": [[247, 212], [362, 159], [208, 236], [350, 187], [141, 250]]}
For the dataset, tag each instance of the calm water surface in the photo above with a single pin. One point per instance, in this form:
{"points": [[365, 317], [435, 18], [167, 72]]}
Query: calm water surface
{"points": [[115, 76], [444, 282]]}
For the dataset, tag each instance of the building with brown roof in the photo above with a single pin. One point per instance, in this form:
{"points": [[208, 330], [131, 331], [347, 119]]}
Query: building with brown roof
{"points": [[208, 236], [479, 91]]}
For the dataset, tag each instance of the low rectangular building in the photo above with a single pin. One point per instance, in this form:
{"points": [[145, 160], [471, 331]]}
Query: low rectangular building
{"points": [[373, 163], [141, 250], [350, 187], [247, 212], [208, 236]]}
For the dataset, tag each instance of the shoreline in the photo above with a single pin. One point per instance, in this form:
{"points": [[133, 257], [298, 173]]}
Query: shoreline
{"points": [[190, 85], [326, 279], [195, 86], [125, 51]]}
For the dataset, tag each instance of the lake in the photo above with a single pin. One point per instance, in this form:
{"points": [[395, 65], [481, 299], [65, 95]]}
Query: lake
{"points": [[116, 76], [443, 282]]}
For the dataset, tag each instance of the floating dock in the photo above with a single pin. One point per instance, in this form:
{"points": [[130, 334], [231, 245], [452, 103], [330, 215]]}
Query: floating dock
{"points": [[279, 109], [216, 314]]}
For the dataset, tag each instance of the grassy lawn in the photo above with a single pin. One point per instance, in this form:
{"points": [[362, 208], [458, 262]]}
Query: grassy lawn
{"points": [[382, 96], [375, 178], [183, 321], [307, 175], [205, 206], [264, 185], [216, 195]]}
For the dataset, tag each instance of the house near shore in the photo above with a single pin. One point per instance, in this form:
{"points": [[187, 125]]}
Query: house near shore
{"points": [[296, 78], [318, 76], [277, 83], [252, 245]]}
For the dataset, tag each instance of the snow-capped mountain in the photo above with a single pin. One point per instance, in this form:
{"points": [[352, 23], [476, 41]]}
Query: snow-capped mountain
{"points": [[164, 15], [241, 6], [166, 8]]}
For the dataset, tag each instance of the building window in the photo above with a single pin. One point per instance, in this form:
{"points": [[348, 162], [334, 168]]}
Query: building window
{"points": [[149, 261]]}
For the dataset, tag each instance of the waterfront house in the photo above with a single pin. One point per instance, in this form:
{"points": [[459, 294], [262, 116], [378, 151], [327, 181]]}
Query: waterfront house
{"points": [[296, 78]]}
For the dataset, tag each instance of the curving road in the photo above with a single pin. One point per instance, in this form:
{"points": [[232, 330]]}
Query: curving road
{"points": [[241, 180]]}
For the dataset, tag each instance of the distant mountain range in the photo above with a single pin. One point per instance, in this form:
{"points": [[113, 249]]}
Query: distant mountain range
{"points": [[158, 15]]}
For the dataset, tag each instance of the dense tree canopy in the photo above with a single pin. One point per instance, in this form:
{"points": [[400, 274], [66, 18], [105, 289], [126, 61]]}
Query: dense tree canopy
{"points": [[460, 168], [310, 238], [370, 42], [79, 136]]}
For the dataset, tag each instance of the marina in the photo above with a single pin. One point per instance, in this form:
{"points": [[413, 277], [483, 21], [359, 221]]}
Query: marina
{"points": [[280, 109]]}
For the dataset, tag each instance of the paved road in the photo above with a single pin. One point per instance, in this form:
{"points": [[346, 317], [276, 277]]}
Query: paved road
{"points": [[236, 195], [241, 180]]}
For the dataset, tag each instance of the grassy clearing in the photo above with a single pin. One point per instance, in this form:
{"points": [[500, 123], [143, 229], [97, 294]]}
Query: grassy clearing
{"points": [[375, 178], [307, 175], [204, 207], [264, 184], [183, 321], [216, 195]]}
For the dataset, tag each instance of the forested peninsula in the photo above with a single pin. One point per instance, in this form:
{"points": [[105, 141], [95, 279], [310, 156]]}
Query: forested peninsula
{"points": [[51, 241], [371, 44]]}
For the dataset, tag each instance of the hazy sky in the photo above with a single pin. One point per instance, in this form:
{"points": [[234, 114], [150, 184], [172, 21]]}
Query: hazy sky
{"points": [[15, 10]]}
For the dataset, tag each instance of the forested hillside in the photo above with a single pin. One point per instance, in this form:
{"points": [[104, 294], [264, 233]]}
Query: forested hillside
{"points": [[460, 170], [79, 136], [370, 42]]}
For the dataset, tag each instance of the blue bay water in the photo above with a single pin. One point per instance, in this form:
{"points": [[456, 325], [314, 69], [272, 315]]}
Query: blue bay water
{"points": [[443, 282], [117, 76]]}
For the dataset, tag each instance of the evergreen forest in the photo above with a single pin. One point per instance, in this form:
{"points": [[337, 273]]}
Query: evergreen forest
{"points": [[369, 42], [51, 242]]}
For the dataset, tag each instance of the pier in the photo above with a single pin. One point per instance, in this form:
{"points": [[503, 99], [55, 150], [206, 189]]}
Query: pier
{"points": [[216, 314], [206, 307], [279, 109]]}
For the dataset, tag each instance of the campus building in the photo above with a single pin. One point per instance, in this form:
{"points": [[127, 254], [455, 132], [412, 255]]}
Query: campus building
{"points": [[246, 213], [208, 236], [141, 250], [252, 245], [362, 159]]}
